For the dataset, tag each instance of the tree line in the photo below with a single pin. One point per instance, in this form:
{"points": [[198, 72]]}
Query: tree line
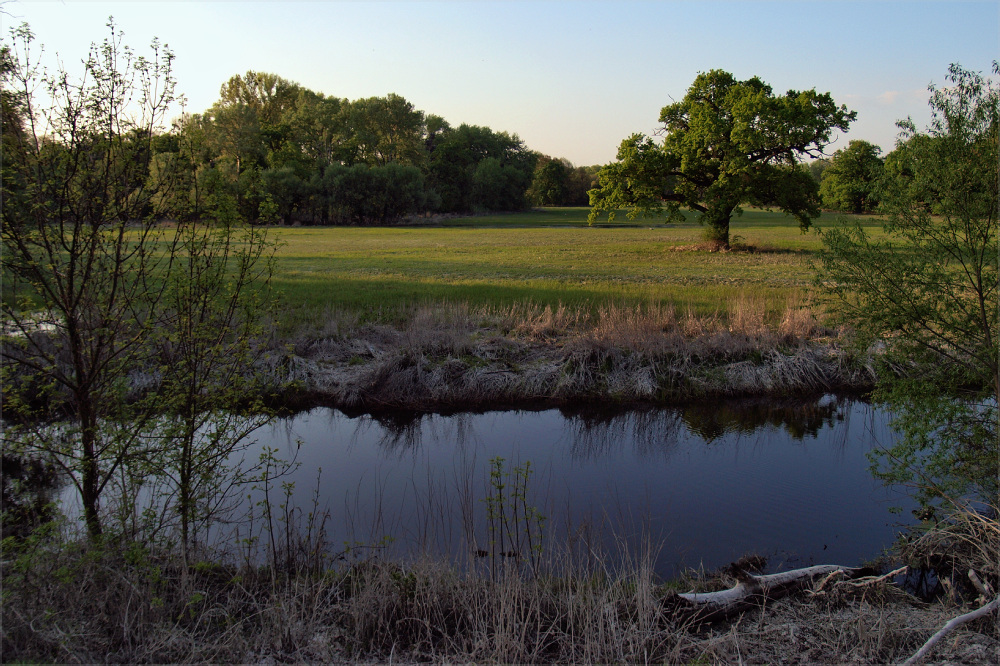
{"points": [[274, 151]]}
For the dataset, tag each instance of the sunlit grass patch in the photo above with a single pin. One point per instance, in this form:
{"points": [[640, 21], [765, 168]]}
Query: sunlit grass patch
{"points": [[378, 271]]}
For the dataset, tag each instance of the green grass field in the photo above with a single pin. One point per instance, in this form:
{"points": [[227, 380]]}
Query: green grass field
{"points": [[545, 257], [541, 257]]}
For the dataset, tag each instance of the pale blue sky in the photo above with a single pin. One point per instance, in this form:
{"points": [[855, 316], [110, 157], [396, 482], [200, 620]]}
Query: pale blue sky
{"points": [[572, 79]]}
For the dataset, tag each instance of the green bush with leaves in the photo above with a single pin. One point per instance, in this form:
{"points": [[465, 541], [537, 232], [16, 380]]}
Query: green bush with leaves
{"points": [[924, 296]]}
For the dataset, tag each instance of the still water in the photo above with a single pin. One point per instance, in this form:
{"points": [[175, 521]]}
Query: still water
{"points": [[704, 483]]}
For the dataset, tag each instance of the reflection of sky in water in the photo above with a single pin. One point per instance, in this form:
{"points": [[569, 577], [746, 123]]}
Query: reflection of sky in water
{"points": [[710, 481]]}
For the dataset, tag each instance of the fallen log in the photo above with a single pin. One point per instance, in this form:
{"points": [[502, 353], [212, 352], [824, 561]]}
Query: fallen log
{"points": [[753, 591]]}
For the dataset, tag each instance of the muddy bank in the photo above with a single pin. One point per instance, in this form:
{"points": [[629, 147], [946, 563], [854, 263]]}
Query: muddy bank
{"points": [[379, 368]]}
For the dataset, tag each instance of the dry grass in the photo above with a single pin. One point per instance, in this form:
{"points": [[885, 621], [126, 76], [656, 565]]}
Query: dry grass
{"points": [[293, 601], [68, 603], [644, 327], [966, 539], [452, 356]]}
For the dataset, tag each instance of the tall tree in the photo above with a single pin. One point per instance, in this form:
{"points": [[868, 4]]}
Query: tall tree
{"points": [[579, 182], [385, 130], [454, 170], [927, 291], [268, 96], [851, 180], [111, 320], [816, 168], [548, 183], [727, 144]]}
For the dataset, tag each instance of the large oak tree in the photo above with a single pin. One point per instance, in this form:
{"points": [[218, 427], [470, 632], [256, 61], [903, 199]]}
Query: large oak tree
{"points": [[727, 144]]}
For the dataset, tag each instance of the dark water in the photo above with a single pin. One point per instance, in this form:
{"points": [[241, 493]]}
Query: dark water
{"points": [[705, 483]]}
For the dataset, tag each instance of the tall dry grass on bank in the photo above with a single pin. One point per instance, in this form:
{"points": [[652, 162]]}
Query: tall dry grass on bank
{"points": [[67, 602], [961, 549], [642, 327], [452, 356]]}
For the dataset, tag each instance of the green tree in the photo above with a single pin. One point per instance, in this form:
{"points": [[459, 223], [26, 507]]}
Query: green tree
{"points": [[727, 144], [384, 130], [926, 294], [851, 181], [548, 184], [361, 194], [80, 247], [579, 182], [816, 168], [455, 174], [235, 133], [267, 96]]}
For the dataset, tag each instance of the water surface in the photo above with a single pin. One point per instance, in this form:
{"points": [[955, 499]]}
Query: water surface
{"points": [[704, 483]]}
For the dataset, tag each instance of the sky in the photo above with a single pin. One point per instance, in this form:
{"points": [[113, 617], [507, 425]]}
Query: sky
{"points": [[571, 79]]}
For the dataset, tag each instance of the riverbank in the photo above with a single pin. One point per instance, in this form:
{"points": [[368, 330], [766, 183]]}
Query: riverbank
{"points": [[75, 603], [451, 358]]}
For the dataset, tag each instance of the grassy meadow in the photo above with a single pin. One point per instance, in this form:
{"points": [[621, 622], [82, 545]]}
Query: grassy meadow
{"points": [[543, 257]]}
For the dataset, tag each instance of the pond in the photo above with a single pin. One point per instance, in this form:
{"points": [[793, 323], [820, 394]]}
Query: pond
{"points": [[703, 483]]}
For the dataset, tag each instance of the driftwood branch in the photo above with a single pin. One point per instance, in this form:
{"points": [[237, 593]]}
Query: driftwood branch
{"points": [[949, 627], [755, 590]]}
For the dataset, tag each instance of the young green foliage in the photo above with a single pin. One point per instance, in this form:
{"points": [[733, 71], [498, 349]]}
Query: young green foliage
{"points": [[926, 295], [141, 339], [515, 527], [81, 247], [210, 348]]}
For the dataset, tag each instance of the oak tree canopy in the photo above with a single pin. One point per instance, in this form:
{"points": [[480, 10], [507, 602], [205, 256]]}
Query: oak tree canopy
{"points": [[727, 144]]}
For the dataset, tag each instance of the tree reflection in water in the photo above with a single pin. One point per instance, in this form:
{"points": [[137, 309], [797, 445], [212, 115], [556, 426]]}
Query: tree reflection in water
{"points": [[798, 418], [595, 431]]}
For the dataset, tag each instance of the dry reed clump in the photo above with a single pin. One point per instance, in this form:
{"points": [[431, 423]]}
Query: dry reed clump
{"points": [[651, 330], [747, 316], [451, 356], [966, 540], [535, 322], [800, 323]]}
